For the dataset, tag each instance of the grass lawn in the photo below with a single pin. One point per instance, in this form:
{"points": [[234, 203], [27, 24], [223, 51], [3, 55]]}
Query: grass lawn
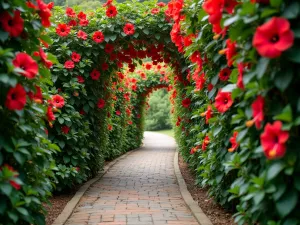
{"points": [[167, 132]]}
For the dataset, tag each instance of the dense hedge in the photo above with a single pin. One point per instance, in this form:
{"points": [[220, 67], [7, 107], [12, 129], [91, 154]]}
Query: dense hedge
{"points": [[241, 129]]}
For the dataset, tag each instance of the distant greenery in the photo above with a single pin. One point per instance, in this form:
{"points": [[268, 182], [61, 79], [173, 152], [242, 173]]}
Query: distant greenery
{"points": [[158, 115], [167, 132]]}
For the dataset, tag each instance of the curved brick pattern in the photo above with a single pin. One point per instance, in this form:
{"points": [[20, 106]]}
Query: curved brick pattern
{"points": [[140, 189]]}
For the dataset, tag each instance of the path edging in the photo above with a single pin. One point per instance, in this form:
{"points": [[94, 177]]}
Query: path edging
{"points": [[69, 208], [193, 206]]}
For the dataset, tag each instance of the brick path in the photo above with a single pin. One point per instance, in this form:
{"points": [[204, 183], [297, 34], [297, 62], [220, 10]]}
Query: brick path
{"points": [[141, 189]]}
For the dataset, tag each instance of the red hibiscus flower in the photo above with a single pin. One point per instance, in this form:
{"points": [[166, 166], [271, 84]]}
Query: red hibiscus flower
{"points": [[98, 37], [186, 102], [129, 29], [81, 16], [194, 150], [44, 13], [233, 142], [161, 4], [118, 113], [230, 51], [27, 64], [196, 58], [72, 23], [257, 112], [109, 127], [70, 12], [63, 29], [240, 83], [75, 57], [50, 114], [205, 143], [210, 86], [16, 98], [65, 129], [109, 48], [111, 11], [148, 66], [187, 41], [208, 114], [38, 96], [108, 3], [69, 64], [58, 101], [104, 66], [155, 11], [82, 35], [261, 1], [178, 121], [101, 103], [13, 25], [273, 140], [200, 82], [80, 79], [44, 59], [83, 23], [95, 74], [273, 37], [224, 74], [223, 101]]}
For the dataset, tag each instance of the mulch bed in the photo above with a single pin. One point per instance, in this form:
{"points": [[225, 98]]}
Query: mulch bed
{"points": [[216, 214]]}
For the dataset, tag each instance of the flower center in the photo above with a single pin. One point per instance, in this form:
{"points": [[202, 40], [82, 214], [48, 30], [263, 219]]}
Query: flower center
{"points": [[13, 96], [225, 101], [10, 23], [62, 30], [275, 38]]}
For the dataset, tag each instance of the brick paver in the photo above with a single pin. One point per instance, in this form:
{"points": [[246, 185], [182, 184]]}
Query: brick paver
{"points": [[138, 190]]}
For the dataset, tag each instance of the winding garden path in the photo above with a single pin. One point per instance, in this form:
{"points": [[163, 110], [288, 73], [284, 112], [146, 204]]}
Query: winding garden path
{"points": [[140, 189]]}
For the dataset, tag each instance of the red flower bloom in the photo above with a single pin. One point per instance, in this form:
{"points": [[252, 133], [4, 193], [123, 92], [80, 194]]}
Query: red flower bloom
{"points": [[65, 129], [63, 29], [58, 101], [205, 143], [273, 140], [187, 41], [148, 66], [233, 142], [15, 185], [38, 96], [98, 37], [82, 112], [161, 4], [82, 35], [194, 150], [109, 48], [224, 74], [70, 12], [223, 101], [109, 127], [104, 66], [80, 79], [210, 87], [240, 83], [27, 64], [196, 58], [118, 113], [83, 23], [69, 64], [257, 112], [72, 23], [95, 74], [44, 13], [261, 1], [200, 81], [155, 11], [230, 51], [129, 29], [50, 114], [101, 103], [273, 37], [186, 102], [75, 57], [16, 98], [81, 16], [108, 3], [13, 25], [44, 59], [208, 114], [111, 11]]}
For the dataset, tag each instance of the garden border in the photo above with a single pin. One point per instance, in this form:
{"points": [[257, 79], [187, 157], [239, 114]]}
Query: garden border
{"points": [[69, 208], [193, 206]]}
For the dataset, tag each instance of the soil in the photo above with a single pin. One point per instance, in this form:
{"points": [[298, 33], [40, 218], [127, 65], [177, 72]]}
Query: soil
{"points": [[216, 214]]}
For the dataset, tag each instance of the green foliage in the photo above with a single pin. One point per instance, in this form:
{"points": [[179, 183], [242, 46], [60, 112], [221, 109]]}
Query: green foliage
{"points": [[158, 114]]}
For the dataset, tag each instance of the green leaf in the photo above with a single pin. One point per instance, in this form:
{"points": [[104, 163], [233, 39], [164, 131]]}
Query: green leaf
{"points": [[293, 54], [261, 67], [146, 31], [258, 197], [6, 188], [61, 120], [275, 3], [283, 79], [22, 211], [274, 170], [3, 36], [19, 157], [66, 158], [287, 203], [291, 221], [286, 114], [229, 88], [297, 182], [292, 11]]}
